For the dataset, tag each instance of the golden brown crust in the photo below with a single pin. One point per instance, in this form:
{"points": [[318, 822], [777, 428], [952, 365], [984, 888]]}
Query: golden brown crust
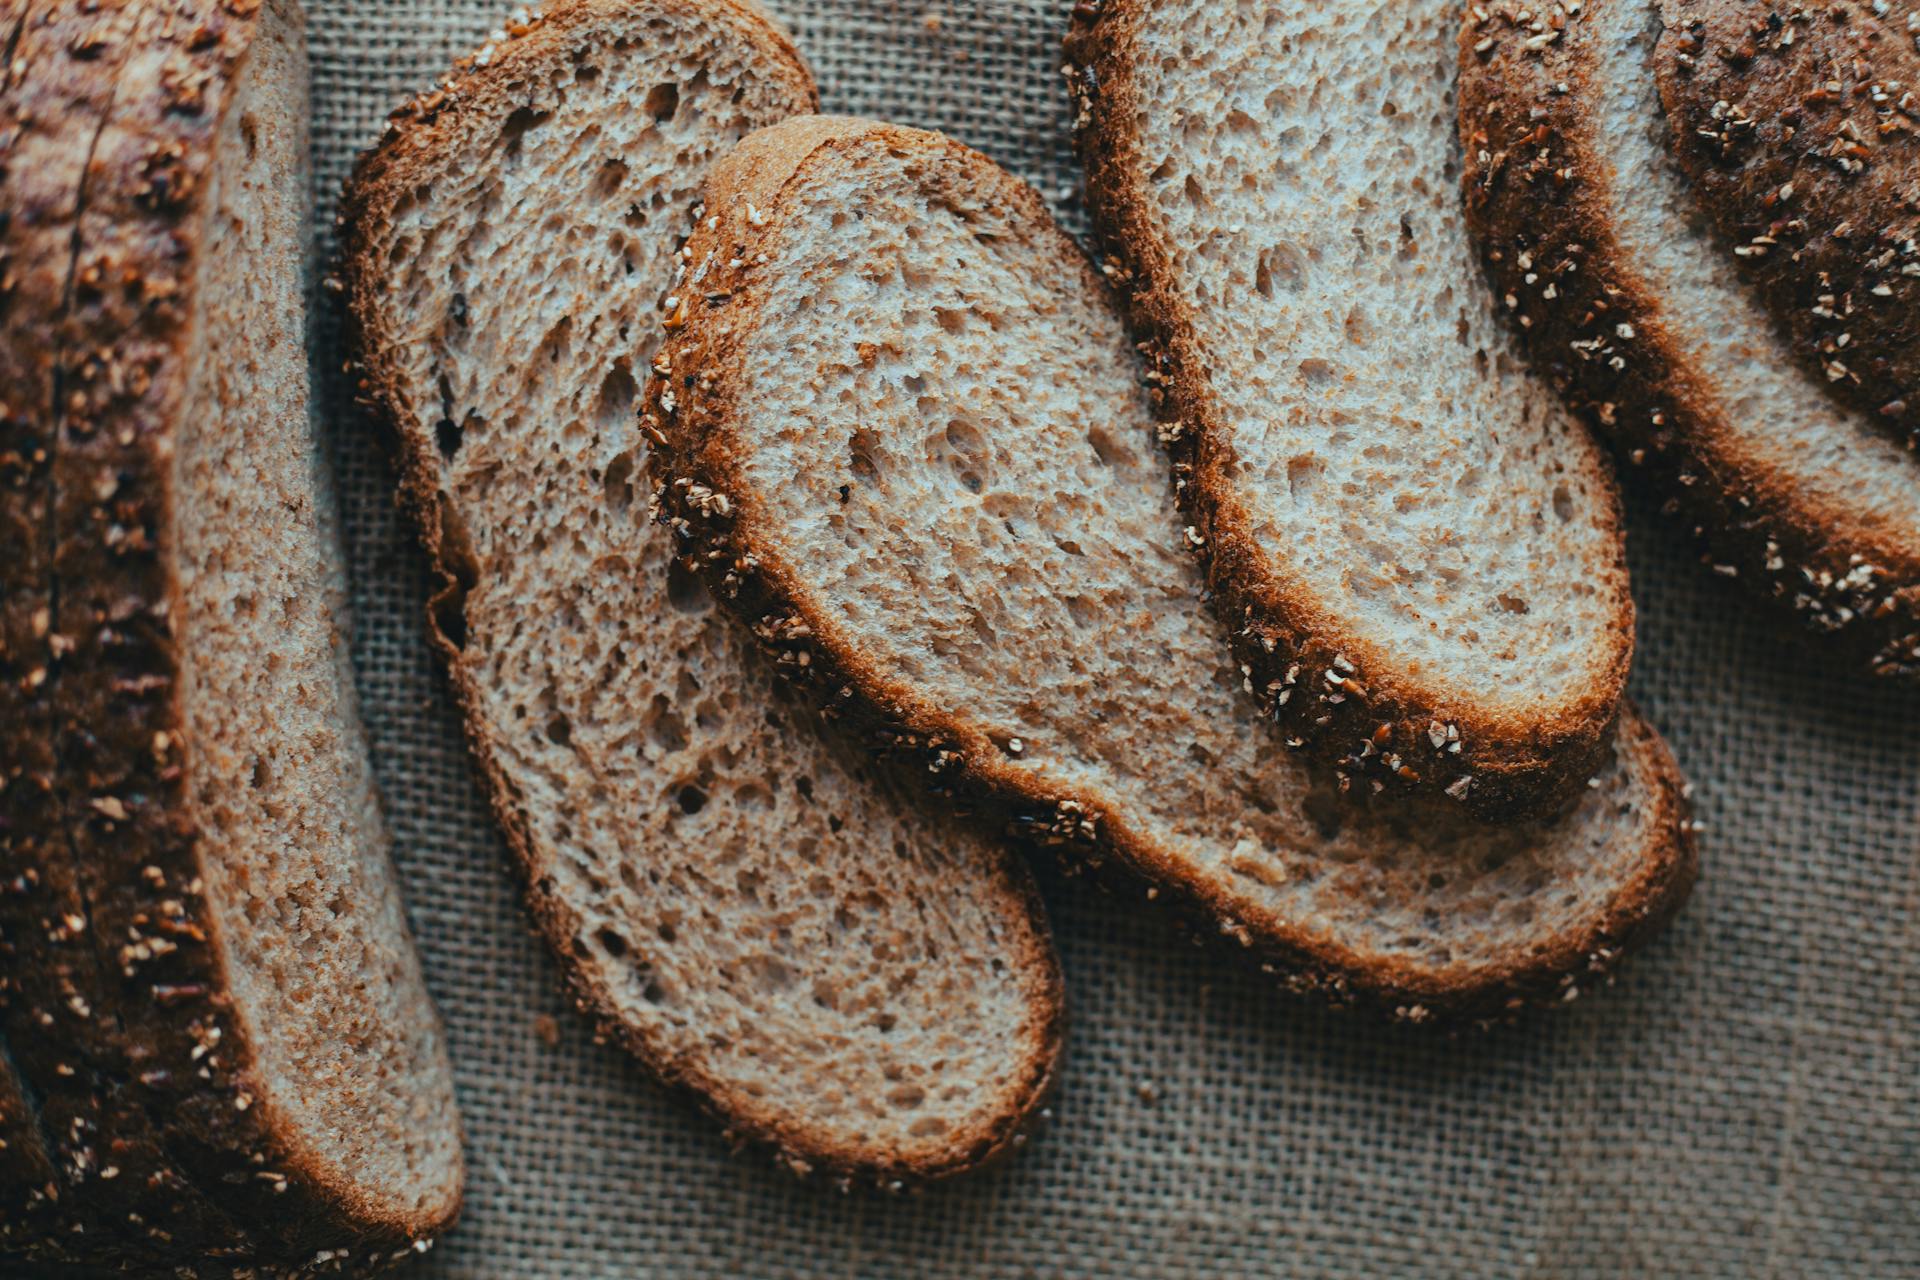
{"points": [[418, 136], [1344, 700], [1800, 127], [698, 379], [147, 1011], [1538, 200]]}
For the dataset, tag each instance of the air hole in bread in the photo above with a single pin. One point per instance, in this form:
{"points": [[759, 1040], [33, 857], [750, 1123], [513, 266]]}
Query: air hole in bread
{"points": [[522, 122], [1562, 503], [663, 100], [618, 483], [1105, 447], [611, 943], [664, 726], [690, 799], [970, 457], [1282, 268], [612, 176], [555, 346], [617, 392], [560, 731], [1317, 372], [862, 449]]}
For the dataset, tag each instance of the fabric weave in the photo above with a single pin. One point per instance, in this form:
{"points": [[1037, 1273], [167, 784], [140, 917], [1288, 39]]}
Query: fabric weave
{"points": [[1745, 1102]]}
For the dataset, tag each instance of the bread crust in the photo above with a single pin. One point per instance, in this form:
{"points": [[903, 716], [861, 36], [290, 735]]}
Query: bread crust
{"points": [[690, 402], [417, 133], [1537, 191], [1342, 699], [1808, 161], [153, 1012]]}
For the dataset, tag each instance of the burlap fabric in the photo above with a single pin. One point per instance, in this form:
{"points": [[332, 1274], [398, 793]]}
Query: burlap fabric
{"points": [[1742, 1104]]}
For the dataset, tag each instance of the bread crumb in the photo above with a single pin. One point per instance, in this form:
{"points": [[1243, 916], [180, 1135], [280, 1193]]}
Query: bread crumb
{"points": [[1149, 1094], [932, 21], [547, 1030]]}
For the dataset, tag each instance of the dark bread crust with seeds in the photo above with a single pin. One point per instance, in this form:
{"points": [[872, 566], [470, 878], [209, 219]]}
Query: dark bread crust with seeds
{"points": [[1537, 191], [1800, 127], [692, 405], [86, 1154], [155, 1012], [478, 95], [1343, 699], [54, 109]]}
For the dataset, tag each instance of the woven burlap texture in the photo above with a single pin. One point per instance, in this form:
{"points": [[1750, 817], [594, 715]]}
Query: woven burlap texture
{"points": [[1742, 1104]]}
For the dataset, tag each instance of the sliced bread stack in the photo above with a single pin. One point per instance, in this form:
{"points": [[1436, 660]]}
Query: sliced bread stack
{"points": [[899, 454], [1704, 220], [745, 904], [905, 441], [208, 964]]}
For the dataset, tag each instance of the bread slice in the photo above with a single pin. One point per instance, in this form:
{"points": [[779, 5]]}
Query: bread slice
{"points": [[1629, 302], [1403, 530], [905, 438], [752, 912], [1800, 128], [211, 874]]}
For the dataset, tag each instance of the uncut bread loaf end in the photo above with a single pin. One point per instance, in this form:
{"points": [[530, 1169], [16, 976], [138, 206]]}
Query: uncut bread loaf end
{"points": [[214, 944], [1631, 301], [866, 991], [1799, 127], [906, 441]]}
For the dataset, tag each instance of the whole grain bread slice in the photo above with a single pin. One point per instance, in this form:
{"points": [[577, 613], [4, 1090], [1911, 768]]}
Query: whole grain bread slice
{"points": [[1402, 528], [1800, 127], [1629, 300], [905, 438], [219, 847], [748, 908]]}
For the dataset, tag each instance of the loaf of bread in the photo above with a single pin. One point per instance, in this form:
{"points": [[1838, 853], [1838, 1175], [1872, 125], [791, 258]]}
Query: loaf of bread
{"points": [[209, 962]]}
